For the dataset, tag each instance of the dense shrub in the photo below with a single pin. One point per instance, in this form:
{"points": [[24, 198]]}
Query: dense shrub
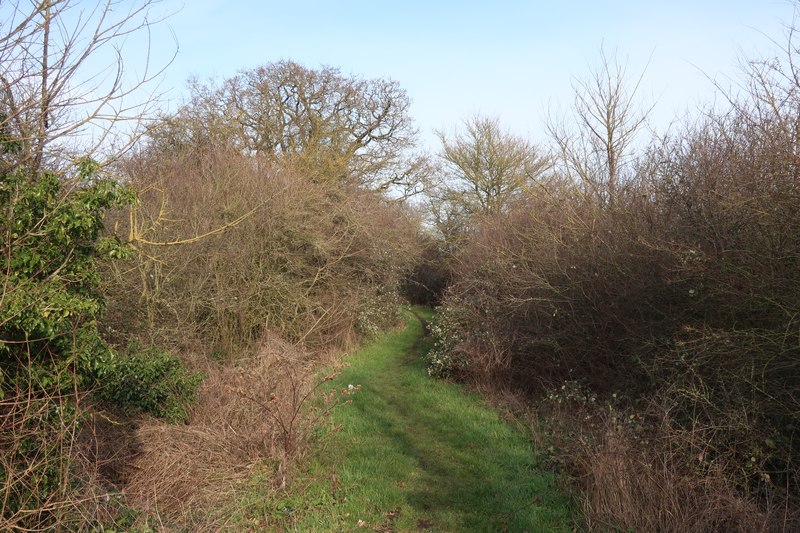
{"points": [[427, 281], [378, 312], [150, 381], [276, 253], [728, 195], [51, 351], [684, 292], [558, 289], [50, 248]]}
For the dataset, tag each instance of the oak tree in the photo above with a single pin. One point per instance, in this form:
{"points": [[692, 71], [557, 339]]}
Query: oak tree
{"points": [[319, 122]]}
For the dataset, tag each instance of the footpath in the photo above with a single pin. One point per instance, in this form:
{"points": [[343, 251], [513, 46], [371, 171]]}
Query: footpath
{"points": [[418, 454]]}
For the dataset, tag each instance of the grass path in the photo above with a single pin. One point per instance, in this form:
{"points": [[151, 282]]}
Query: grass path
{"points": [[416, 454]]}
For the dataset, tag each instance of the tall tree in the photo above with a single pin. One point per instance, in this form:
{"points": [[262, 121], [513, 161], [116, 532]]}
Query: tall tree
{"points": [[326, 125], [596, 149], [485, 167]]}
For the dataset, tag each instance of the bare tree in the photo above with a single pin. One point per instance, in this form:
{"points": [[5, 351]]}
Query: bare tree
{"points": [[325, 125], [485, 167], [65, 88], [768, 97], [596, 149]]}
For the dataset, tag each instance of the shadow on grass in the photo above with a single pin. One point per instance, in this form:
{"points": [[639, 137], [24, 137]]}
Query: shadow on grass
{"points": [[458, 466]]}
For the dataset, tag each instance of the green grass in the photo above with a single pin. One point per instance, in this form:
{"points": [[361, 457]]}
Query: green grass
{"points": [[418, 454]]}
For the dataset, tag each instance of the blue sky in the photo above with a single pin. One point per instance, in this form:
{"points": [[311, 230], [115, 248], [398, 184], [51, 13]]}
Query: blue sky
{"points": [[511, 59]]}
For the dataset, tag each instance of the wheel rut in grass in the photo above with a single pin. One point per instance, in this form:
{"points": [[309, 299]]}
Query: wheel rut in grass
{"points": [[416, 454]]}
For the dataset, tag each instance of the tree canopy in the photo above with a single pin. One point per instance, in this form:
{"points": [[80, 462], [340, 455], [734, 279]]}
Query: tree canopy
{"points": [[320, 122], [486, 167]]}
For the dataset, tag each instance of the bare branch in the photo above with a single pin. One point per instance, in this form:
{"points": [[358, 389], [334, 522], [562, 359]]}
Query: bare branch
{"points": [[66, 89], [596, 150]]}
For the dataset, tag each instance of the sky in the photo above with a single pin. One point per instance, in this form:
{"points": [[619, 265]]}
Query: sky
{"points": [[511, 59]]}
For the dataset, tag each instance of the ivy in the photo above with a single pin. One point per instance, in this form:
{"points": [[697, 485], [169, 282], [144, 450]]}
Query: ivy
{"points": [[51, 227], [149, 381], [51, 240]]}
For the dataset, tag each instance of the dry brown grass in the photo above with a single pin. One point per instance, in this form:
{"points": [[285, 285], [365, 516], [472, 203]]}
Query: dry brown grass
{"points": [[645, 490], [633, 472], [250, 418]]}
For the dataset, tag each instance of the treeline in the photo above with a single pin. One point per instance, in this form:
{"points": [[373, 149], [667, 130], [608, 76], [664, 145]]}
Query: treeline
{"points": [[644, 293]]}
